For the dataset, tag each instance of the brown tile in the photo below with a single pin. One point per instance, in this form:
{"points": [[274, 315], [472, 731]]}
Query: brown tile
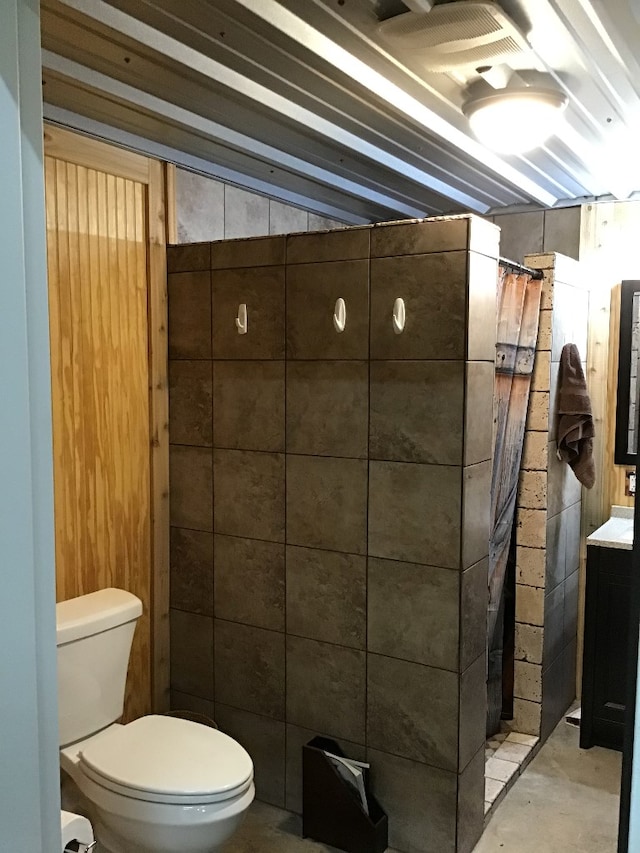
{"points": [[326, 688], [328, 408], [249, 494], [571, 607], [434, 289], [250, 668], [473, 710], [343, 244], [478, 428], [192, 707], [192, 654], [403, 598], [248, 409], [252, 252], [473, 608], [327, 503], [312, 292], [419, 800], [339, 581], [483, 283], [189, 295], [476, 502], [412, 711], [249, 582], [296, 738], [571, 521], [553, 638], [417, 238], [190, 403], [414, 513], [191, 558], [417, 411], [190, 257], [264, 740], [556, 550], [471, 803], [261, 289], [190, 482]]}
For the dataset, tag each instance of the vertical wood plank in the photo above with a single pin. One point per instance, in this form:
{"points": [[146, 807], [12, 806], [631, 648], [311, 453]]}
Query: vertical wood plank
{"points": [[159, 428]]}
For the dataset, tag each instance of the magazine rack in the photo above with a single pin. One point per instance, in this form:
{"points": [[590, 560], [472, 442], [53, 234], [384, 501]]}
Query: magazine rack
{"points": [[331, 809]]}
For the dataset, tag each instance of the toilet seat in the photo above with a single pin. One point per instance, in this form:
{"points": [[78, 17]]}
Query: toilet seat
{"points": [[168, 760]]}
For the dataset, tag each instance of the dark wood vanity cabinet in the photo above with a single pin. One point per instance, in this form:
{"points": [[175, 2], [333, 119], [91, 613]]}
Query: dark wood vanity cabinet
{"points": [[606, 631]]}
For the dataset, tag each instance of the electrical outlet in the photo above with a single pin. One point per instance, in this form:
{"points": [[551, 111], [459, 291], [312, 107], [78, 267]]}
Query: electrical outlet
{"points": [[630, 485]]}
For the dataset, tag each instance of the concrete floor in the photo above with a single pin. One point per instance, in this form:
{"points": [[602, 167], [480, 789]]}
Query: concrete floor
{"points": [[566, 801]]}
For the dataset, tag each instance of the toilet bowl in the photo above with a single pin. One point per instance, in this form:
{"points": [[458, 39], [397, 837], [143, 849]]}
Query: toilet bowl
{"points": [[156, 785]]}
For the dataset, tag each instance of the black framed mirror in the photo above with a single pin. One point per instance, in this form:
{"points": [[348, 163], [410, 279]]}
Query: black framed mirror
{"points": [[627, 408]]}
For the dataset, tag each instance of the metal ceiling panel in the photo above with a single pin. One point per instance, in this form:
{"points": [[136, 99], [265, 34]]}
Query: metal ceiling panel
{"points": [[306, 100]]}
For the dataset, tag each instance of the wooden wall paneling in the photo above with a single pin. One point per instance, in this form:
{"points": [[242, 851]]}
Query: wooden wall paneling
{"points": [[81, 150], [171, 205], [158, 203], [97, 254]]}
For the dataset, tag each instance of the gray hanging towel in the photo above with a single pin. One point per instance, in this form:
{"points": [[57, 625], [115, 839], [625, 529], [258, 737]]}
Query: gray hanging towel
{"points": [[575, 417]]}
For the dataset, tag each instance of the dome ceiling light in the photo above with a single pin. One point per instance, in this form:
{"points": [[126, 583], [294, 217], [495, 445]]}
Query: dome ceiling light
{"points": [[515, 119]]}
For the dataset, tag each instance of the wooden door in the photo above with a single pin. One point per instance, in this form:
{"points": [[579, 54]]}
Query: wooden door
{"points": [[106, 300]]}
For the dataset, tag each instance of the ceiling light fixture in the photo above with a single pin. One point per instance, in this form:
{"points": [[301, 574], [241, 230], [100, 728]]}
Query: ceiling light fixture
{"points": [[515, 120]]}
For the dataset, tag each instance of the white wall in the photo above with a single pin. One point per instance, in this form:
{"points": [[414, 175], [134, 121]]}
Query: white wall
{"points": [[29, 776]]}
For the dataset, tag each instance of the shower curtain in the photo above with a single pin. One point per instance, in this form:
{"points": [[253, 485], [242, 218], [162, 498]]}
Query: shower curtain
{"points": [[517, 333]]}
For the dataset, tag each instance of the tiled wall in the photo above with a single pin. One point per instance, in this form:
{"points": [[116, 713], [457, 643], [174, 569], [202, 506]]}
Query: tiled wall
{"points": [[549, 508], [207, 209], [329, 498], [537, 231]]}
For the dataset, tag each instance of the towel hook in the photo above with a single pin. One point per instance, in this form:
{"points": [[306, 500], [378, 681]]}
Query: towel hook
{"points": [[340, 315], [242, 320], [399, 316]]}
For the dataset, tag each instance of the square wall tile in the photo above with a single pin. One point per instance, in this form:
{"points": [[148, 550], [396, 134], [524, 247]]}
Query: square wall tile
{"points": [[484, 236], [193, 707], [412, 711], [192, 257], [527, 683], [264, 740], [252, 252], [562, 231], [532, 490], [531, 564], [419, 238], [199, 207], [246, 214], [190, 403], [571, 518], [434, 289], [312, 292], [553, 626], [286, 219], [471, 803], [249, 581], [473, 608], [328, 408], [538, 410], [191, 561], [339, 582], [296, 738], [249, 494], [343, 244], [483, 289], [327, 503], [556, 551], [413, 612], [248, 409], [189, 295], [478, 426], [535, 451], [570, 319], [529, 605], [262, 291], [521, 234], [191, 653], [532, 527], [541, 377], [414, 513], [565, 489], [326, 687], [417, 411], [529, 643], [476, 504], [420, 801], [527, 716], [571, 606], [250, 668], [190, 478], [473, 711]]}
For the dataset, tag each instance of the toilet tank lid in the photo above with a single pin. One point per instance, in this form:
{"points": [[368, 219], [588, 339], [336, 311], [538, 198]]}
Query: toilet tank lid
{"points": [[93, 613]]}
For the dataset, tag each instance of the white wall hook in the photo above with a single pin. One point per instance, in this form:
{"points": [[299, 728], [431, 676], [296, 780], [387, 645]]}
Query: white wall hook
{"points": [[399, 316], [242, 320], [340, 315]]}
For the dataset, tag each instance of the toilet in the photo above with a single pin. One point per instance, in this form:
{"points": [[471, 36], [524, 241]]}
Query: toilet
{"points": [[158, 784]]}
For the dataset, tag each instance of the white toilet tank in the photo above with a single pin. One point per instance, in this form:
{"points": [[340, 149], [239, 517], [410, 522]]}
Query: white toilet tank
{"points": [[94, 635]]}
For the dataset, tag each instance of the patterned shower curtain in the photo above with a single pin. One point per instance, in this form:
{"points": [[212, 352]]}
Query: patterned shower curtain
{"points": [[518, 314]]}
